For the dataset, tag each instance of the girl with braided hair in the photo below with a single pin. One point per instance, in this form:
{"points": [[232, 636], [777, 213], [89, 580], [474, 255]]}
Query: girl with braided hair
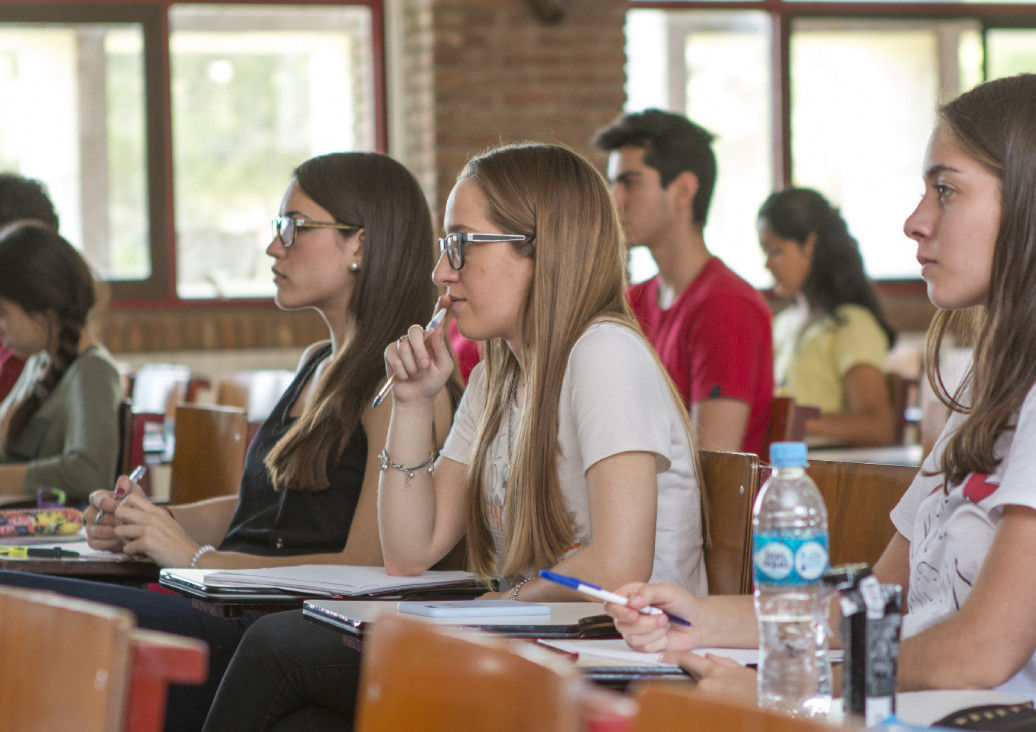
{"points": [[59, 426]]}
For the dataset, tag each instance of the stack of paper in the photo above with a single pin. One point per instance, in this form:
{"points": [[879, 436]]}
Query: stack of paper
{"points": [[333, 579]]}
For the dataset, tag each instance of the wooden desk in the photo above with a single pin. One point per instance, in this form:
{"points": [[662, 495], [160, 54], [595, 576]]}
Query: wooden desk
{"points": [[102, 570], [892, 455]]}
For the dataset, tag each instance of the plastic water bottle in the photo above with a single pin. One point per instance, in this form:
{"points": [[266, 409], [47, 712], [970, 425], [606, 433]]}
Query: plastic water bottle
{"points": [[789, 557]]}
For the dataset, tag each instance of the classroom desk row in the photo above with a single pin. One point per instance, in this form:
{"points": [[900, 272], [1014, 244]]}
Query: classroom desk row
{"points": [[577, 631]]}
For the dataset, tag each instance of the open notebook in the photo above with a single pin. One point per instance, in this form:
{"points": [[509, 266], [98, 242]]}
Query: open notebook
{"points": [[565, 619], [316, 580]]}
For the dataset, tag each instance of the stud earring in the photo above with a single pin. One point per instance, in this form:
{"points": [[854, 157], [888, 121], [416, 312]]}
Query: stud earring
{"points": [[354, 267]]}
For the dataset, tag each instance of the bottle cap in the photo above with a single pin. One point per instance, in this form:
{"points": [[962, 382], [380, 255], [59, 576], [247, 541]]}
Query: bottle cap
{"points": [[788, 454]]}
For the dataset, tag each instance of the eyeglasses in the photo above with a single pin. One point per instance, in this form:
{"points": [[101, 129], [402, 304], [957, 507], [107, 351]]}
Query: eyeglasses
{"points": [[455, 244], [286, 228]]}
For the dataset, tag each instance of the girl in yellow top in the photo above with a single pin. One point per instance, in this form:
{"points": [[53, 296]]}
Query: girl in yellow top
{"points": [[830, 344]]}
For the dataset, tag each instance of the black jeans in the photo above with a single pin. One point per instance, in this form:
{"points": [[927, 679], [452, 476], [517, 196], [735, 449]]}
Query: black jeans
{"points": [[187, 705], [287, 674]]}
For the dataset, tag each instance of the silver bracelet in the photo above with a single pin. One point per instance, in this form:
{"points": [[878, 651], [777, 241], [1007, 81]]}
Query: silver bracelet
{"points": [[202, 551], [386, 463], [514, 590]]}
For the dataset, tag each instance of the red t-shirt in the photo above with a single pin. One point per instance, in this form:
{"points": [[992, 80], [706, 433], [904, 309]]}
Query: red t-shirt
{"points": [[468, 353], [715, 341], [10, 370]]}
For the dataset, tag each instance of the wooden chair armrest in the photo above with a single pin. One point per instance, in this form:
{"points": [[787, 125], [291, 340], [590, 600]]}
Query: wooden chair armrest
{"points": [[161, 659]]}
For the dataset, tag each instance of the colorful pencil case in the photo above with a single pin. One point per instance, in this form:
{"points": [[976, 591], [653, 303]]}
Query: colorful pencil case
{"points": [[40, 521]]}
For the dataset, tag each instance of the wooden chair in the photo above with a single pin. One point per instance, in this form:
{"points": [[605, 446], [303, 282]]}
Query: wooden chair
{"points": [[417, 675], [159, 387], [903, 395], [76, 665], [257, 392], [859, 497], [730, 481], [209, 452], [667, 707], [787, 422]]}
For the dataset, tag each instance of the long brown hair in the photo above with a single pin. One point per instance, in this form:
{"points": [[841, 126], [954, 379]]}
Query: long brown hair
{"points": [[995, 123], [42, 273], [393, 290], [557, 198]]}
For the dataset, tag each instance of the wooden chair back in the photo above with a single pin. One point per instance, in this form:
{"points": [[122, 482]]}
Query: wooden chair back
{"points": [[730, 481], [416, 675], [903, 394], [76, 665], [134, 430], [65, 662], [787, 422], [257, 391], [209, 453], [859, 497], [159, 387], [669, 707]]}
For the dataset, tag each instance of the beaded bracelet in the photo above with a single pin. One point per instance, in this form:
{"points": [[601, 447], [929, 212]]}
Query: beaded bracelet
{"points": [[386, 463], [514, 590], [202, 551]]}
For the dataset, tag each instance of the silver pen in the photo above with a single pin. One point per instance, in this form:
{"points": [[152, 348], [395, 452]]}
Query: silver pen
{"points": [[434, 323]]}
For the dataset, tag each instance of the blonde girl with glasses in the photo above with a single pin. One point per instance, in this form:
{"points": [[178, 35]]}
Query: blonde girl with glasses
{"points": [[569, 450]]}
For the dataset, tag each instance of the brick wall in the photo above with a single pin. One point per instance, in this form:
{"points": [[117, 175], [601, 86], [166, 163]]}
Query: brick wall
{"points": [[503, 75]]}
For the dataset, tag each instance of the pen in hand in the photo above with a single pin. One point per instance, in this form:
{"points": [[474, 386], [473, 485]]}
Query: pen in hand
{"points": [[136, 476], [594, 591], [437, 318]]}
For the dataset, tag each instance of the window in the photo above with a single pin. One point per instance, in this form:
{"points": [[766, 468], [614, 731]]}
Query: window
{"points": [[73, 113], [153, 123], [853, 92]]}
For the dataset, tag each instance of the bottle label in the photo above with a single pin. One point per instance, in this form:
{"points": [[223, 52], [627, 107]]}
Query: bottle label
{"points": [[788, 561]]}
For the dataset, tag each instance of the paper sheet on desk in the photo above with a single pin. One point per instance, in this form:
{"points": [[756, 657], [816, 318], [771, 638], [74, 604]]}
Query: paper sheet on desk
{"points": [[617, 650]]}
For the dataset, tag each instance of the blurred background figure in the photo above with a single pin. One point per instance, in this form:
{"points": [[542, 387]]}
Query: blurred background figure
{"points": [[830, 344], [59, 427], [21, 199]]}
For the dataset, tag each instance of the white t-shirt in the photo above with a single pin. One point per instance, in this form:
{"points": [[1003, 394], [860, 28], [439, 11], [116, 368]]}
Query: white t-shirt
{"points": [[614, 399], [950, 532]]}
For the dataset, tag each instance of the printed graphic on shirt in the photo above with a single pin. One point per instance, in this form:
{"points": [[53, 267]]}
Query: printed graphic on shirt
{"points": [[954, 536]]}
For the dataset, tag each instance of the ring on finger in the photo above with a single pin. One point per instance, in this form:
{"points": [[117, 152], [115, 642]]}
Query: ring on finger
{"points": [[403, 339], [100, 515]]}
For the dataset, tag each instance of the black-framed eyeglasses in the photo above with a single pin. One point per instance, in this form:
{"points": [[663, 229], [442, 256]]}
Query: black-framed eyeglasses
{"points": [[286, 228], [455, 244]]}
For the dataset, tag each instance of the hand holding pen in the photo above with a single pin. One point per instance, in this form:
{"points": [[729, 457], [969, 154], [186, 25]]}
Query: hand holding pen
{"points": [[409, 356], [135, 477], [601, 594]]}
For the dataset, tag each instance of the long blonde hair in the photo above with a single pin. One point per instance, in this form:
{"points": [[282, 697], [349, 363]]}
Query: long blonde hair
{"points": [[557, 198], [995, 123]]}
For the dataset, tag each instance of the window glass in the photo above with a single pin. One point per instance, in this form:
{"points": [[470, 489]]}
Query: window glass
{"points": [[863, 105], [1010, 51], [256, 90], [73, 118], [718, 75]]}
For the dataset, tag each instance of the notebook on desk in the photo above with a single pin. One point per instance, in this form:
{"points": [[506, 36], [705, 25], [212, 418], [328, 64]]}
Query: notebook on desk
{"points": [[565, 620], [289, 584]]}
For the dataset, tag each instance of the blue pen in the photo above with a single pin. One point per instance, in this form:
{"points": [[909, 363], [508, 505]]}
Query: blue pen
{"points": [[594, 591]]}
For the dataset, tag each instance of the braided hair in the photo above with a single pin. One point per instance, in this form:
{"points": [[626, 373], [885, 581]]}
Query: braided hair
{"points": [[42, 273]]}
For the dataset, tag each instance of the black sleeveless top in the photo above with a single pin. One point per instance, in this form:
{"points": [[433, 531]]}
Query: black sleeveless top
{"points": [[286, 522]]}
